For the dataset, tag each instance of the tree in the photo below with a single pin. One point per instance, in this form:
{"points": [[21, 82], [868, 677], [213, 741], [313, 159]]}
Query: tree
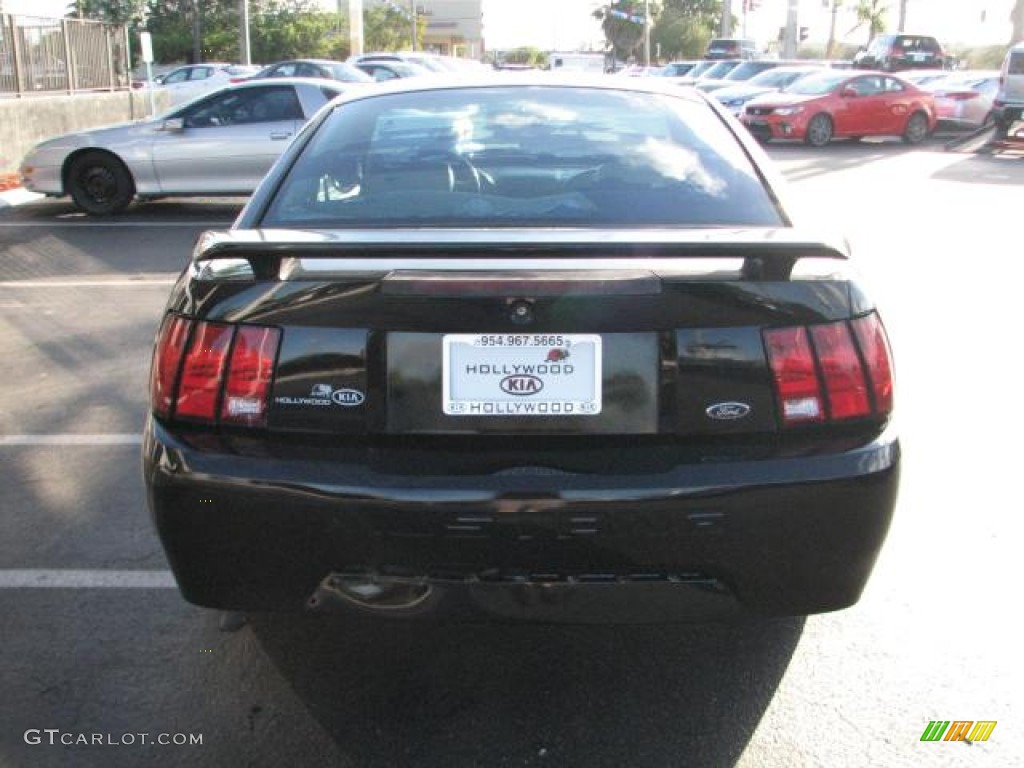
{"points": [[872, 14], [623, 35], [1017, 19], [110, 11], [385, 29], [685, 27]]}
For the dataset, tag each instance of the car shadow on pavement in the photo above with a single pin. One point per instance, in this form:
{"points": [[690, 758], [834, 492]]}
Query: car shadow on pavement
{"points": [[802, 162], [394, 693], [986, 169]]}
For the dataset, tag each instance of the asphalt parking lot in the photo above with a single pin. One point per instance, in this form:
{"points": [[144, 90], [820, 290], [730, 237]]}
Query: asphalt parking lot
{"points": [[99, 644]]}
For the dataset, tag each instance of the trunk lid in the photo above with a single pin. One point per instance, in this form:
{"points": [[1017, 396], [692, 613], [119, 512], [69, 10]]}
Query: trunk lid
{"points": [[379, 330]]}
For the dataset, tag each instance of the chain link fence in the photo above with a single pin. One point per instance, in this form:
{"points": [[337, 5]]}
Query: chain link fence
{"points": [[45, 56]]}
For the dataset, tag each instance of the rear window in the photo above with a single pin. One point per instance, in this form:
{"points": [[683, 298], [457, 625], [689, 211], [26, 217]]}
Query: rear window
{"points": [[1016, 64], [523, 156], [910, 43]]}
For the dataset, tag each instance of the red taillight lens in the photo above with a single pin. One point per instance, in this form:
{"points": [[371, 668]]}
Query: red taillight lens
{"points": [[846, 366], [874, 345], [250, 372], [796, 378], [842, 370], [203, 371], [170, 346], [961, 95]]}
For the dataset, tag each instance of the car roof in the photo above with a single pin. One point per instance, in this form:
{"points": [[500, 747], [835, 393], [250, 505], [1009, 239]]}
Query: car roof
{"points": [[518, 78]]}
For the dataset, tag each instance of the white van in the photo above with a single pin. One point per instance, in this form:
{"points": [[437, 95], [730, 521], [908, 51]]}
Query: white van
{"points": [[1008, 106]]}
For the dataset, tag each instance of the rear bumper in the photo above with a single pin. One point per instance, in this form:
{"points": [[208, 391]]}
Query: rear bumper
{"points": [[702, 541]]}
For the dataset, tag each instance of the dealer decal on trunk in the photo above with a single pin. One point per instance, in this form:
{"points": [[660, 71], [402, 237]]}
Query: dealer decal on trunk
{"points": [[326, 395]]}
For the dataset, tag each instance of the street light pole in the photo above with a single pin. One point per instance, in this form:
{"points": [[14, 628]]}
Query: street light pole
{"points": [[245, 56], [647, 33], [412, 17]]}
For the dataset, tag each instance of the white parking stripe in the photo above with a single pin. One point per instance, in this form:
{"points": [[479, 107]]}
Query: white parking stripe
{"points": [[70, 579], [115, 283], [219, 224], [71, 439]]}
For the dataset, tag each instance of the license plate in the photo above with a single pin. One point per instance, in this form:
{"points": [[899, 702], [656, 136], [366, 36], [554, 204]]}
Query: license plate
{"points": [[530, 374]]}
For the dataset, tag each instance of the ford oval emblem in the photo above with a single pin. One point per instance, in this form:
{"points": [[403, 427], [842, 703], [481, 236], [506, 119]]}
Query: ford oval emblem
{"points": [[727, 411], [521, 384], [348, 397]]}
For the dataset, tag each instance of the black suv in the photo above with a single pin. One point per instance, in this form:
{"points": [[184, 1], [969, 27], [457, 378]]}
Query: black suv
{"points": [[892, 53]]}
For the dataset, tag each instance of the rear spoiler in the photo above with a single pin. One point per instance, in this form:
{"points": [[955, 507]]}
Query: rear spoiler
{"points": [[766, 253]]}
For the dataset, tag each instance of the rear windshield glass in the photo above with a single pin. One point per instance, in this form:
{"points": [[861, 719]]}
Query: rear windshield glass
{"points": [[522, 156]]}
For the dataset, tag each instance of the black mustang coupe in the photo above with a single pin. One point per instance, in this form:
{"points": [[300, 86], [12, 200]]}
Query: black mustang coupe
{"points": [[534, 347]]}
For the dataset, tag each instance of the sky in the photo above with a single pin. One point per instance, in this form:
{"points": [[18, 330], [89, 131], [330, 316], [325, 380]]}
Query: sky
{"points": [[568, 24]]}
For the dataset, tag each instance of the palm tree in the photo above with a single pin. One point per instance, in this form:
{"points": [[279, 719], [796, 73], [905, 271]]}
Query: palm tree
{"points": [[872, 13], [623, 35], [1017, 18]]}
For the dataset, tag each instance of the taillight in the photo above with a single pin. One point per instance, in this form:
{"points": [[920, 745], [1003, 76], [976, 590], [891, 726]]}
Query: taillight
{"points": [[961, 96], [833, 371], [222, 373], [250, 371], [796, 377], [203, 371], [170, 346], [877, 356], [842, 371]]}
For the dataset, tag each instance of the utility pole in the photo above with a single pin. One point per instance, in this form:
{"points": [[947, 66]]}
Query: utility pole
{"points": [[197, 32], [725, 27], [244, 55], [647, 32], [903, 16], [355, 25], [789, 43], [412, 19]]}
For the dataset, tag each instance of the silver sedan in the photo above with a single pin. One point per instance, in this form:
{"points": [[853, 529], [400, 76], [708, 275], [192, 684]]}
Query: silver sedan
{"points": [[220, 144]]}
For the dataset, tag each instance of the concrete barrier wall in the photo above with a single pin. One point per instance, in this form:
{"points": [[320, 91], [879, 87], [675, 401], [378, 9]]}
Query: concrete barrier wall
{"points": [[26, 121]]}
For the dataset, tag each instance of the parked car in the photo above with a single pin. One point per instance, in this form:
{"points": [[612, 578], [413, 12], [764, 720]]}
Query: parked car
{"points": [[731, 48], [1009, 101], [893, 53], [716, 71], [220, 144], [837, 103], [965, 99], [391, 70], [462, 352], [420, 59], [922, 77], [186, 83], [738, 74], [735, 97], [320, 68], [677, 68], [696, 72]]}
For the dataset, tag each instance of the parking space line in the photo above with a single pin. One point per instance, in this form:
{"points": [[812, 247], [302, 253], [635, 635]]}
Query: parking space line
{"points": [[71, 439], [76, 579], [100, 283], [220, 224]]}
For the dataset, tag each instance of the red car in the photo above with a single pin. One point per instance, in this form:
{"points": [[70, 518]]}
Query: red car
{"points": [[835, 104]]}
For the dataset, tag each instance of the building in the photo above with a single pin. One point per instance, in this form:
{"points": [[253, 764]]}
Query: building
{"points": [[454, 27]]}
